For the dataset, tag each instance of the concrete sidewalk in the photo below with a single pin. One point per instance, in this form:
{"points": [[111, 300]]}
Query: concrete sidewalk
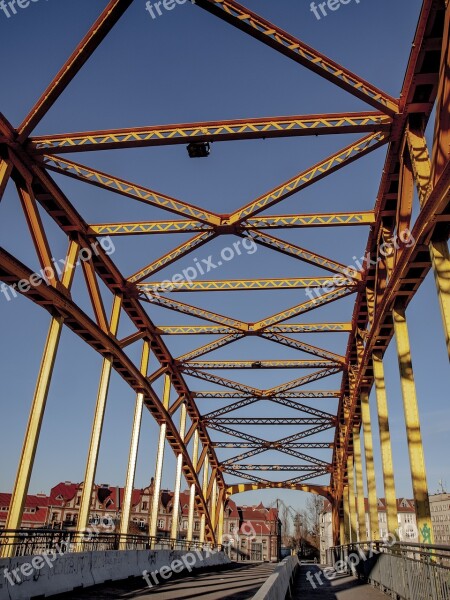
{"points": [[342, 587]]}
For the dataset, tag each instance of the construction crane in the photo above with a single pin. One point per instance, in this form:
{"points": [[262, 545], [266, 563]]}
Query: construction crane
{"points": [[296, 519]]}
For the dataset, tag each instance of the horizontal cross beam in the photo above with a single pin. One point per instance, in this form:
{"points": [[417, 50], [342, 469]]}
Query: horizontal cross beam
{"points": [[263, 222], [231, 285], [258, 364], [212, 131], [281, 328]]}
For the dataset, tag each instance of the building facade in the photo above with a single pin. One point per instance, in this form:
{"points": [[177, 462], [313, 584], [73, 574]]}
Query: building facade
{"points": [[440, 517], [407, 523], [250, 532]]}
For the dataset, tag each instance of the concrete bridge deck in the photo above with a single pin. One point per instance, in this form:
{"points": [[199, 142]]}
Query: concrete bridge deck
{"points": [[343, 587], [235, 581]]}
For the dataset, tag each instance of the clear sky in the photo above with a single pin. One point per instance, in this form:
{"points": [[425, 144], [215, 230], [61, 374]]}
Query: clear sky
{"points": [[184, 66]]}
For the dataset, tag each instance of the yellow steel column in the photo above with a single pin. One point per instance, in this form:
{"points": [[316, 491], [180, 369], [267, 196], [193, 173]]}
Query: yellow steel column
{"points": [[134, 446], [439, 253], [441, 156], [385, 442], [204, 491], [97, 427], [153, 525], [179, 472], [440, 258], [220, 523], [342, 530], [412, 420], [5, 172], [213, 503], [190, 530], [351, 500], [360, 504], [370, 468], [37, 410], [345, 531]]}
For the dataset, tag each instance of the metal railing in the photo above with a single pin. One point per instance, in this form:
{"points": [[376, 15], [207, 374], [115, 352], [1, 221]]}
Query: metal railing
{"points": [[407, 571], [30, 542]]}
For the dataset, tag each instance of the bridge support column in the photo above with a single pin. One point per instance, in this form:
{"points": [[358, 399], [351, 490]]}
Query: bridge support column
{"points": [[5, 172], [213, 503], [134, 446], [179, 473], [97, 428], [352, 500], [190, 530], [204, 492], [335, 522], [441, 155], [412, 420], [37, 410], [153, 524], [385, 442], [220, 523], [345, 533], [424, 176], [440, 258], [360, 504], [370, 468]]}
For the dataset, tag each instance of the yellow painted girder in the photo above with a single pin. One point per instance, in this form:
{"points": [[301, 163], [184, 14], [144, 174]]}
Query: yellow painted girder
{"points": [[131, 190], [172, 256], [229, 285], [306, 178], [302, 308], [344, 272], [269, 222], [214, 131], [292, 47], [194, 311], [263, 364], [282, 328]]}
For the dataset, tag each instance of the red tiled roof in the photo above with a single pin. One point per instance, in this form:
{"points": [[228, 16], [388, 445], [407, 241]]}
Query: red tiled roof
{"points": [[65, 489], [116, 495], [232, 506], [32, 501]]}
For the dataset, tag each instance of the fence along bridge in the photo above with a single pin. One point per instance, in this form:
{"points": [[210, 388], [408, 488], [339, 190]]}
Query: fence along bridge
{"points": [[382, 288]]}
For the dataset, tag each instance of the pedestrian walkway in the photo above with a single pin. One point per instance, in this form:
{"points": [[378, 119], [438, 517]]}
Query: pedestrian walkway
{"points": [[342, 587], [237, 581]]}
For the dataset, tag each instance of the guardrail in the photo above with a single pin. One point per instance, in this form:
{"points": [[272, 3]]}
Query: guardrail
{"points": [[30, 542], [407, 571], [278, 585]]}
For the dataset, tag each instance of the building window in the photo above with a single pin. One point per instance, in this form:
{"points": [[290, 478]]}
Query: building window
{"points": [[161, 524], [185, 524], [145, 506], [78, 500], [197, 526], [232, 526]]}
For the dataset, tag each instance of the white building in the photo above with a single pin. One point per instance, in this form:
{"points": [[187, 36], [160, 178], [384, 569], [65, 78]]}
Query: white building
{"points": [[407, 524]]}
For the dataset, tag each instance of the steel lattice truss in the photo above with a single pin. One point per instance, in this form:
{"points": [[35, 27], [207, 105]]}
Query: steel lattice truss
{"points": [[397, 123]]}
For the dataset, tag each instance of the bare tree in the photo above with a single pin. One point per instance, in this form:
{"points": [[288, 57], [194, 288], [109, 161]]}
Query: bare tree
{"points": [[285, 526], [314, 507]]}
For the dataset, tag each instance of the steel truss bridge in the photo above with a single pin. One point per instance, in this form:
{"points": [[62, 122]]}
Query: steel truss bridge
{"points": [[382, 289]]}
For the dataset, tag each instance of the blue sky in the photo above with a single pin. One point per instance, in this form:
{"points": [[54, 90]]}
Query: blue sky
{"points": [[186, 66]]}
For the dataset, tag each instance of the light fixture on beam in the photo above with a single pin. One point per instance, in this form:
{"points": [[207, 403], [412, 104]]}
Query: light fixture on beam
{"points": [[199, 149]]}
